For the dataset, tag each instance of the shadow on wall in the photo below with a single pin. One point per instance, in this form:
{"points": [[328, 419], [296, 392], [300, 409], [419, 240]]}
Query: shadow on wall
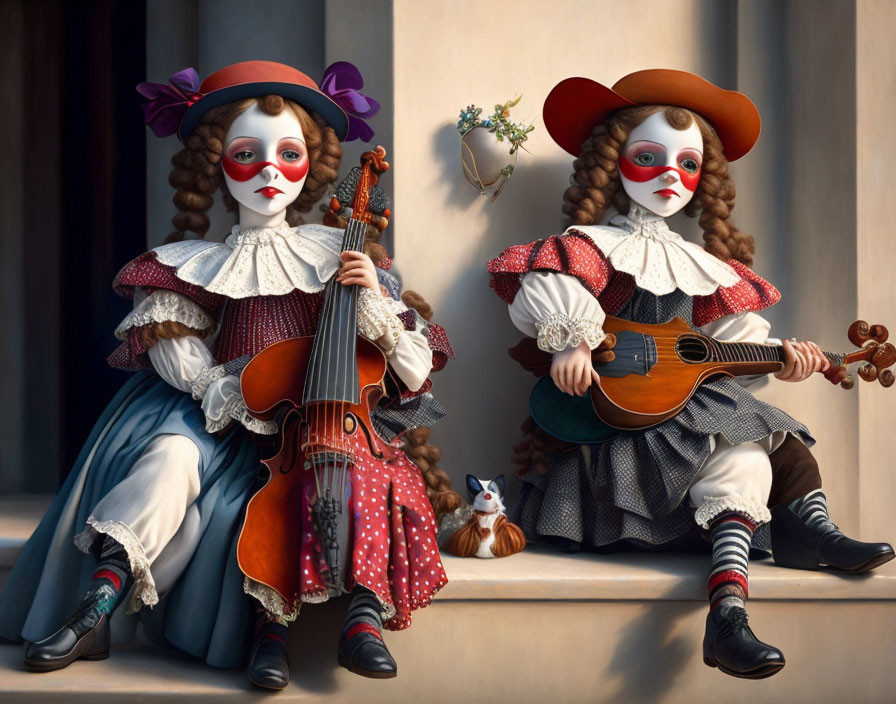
{"points": [[476, 320], [659, 639]]}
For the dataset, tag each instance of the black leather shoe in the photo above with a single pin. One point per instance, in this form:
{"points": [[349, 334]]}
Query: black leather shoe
{"points": [[368, 656], [794, 544], [268, 663], [730, 645], [64, 647]]}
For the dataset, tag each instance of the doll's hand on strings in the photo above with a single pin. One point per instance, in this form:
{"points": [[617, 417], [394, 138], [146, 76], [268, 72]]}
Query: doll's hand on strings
{"points": [[801, 360], [357, 268], [571, 370]]}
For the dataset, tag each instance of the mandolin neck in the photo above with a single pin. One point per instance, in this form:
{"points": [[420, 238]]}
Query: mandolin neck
{"points": [[753, 358]]}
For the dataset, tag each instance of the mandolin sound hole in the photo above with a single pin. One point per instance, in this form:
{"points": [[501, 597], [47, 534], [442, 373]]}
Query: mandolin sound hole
{"points": [[692, 349]]}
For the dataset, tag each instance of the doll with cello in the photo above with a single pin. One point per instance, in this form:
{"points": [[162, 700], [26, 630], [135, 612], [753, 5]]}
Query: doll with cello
{"points": [[615, 302], [157, 497]]}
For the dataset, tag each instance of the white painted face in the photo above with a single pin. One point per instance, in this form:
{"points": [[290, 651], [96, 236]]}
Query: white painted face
{"points": [[265, 161], [660, 166]]}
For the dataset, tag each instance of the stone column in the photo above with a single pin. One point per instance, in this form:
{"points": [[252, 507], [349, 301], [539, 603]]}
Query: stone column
{"points": [[875, 145]]}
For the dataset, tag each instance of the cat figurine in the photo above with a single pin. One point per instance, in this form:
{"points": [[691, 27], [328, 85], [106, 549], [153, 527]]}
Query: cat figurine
{"points": [[488, 533]]}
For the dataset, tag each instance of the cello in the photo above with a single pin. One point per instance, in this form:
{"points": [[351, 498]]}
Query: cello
{"points": [[321, 390]]}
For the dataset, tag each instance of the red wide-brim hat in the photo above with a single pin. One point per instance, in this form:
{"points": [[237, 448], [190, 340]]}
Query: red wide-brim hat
{"points": [[575, 105], [254, 79]]}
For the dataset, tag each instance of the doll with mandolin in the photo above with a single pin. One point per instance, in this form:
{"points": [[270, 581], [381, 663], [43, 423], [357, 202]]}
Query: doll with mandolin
{"points": [[668, 339]]}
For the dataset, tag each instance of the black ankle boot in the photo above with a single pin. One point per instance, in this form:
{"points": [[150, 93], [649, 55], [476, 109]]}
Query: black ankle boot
{"points": [[730, 645], [268, 663], [65, 646], [366, 655], [794, 544]]}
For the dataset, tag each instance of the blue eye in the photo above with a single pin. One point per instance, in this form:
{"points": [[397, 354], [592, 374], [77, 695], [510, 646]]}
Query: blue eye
{"points": [[690, 165], [290, 155], [244, 156], [644, 159]]}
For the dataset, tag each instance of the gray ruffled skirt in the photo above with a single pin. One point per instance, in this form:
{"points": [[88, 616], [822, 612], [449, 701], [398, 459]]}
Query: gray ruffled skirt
{"points": [[632, 490]]}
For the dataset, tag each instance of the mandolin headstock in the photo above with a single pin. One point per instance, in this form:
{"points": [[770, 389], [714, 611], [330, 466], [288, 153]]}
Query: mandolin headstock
{"points": [[878, 355]]}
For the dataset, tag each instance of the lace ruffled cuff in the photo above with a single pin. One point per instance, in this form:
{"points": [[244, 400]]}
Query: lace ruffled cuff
{"points": [[223, 402], [715, 506], [144, 591], [377, 321], [200, 383], [163, 306], [559, 332]]}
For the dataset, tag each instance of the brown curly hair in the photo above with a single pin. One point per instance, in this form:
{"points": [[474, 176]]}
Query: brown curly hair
{"points": [[197, 167], [596, 184]]}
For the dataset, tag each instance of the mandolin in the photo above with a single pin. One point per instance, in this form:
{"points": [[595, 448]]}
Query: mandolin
{"points": [[657, 368]]}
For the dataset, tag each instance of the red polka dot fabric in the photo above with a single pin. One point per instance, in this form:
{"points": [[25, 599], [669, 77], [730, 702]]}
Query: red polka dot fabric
{"points": [[393, 552], [751, 293], [573, 253]]}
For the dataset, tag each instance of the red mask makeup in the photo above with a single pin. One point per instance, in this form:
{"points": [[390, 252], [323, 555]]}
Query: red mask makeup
{"points": [[294, 170], [660, 166], [265, 161]]}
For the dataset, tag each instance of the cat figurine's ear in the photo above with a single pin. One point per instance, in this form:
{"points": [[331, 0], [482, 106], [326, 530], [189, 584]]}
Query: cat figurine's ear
{"points": [[497, 485], [474, 486]]}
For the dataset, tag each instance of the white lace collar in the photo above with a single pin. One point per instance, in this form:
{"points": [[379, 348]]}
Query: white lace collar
{"points": [[641, 244], [268, 261]]}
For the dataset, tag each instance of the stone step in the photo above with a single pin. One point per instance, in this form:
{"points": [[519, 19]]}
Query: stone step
{"points": [[542, 626]]}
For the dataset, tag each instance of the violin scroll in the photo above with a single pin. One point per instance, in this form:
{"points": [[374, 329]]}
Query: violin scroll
{"points": [[861, 334], [373, 163], [878, 355]]}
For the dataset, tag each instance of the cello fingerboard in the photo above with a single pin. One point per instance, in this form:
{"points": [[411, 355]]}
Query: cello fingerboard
{"points": [[333, 369]]}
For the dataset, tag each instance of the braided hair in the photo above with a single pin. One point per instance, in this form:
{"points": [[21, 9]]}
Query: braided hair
{"points": [[197, 167], [596, 186]]}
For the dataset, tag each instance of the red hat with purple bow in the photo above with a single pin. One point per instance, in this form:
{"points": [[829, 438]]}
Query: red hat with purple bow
{"points": [[179, 105]]}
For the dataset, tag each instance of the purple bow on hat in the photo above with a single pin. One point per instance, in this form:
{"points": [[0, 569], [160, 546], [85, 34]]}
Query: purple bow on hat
{"points": [[342, 81], [168, 102]]}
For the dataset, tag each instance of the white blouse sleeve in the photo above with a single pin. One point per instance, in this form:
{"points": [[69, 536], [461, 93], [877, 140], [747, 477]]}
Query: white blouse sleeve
{"points": [[223, 402], [411, 358], [180, 360], [187, 364], [558, 311], [742, 327], [408, 351]]}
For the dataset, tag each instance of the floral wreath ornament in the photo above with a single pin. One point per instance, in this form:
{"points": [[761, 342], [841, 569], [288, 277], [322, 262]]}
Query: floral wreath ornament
{"points": [[484, 153], [178, 106]]}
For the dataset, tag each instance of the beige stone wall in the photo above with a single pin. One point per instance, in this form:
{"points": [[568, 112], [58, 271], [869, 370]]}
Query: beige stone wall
{"points": [[452, 54]]}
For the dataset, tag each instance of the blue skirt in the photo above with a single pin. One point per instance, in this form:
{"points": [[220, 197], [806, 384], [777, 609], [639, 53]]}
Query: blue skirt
{"points": [[206, 614]]}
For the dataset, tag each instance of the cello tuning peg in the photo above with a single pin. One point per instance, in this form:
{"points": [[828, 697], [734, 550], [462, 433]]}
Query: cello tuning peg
{"points": [[887, 378], [848, 382]]}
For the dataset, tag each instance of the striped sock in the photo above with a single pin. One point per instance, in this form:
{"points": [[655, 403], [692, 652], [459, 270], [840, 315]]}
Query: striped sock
{"points": [[731, 537], [813, 511], [109, 582], [364, 615]]}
